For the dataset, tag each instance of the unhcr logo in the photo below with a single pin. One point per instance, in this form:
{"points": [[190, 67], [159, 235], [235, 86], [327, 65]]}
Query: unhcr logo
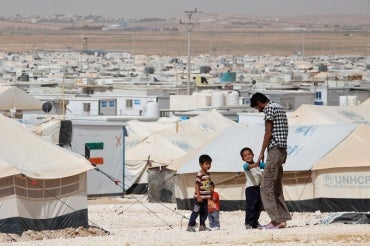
{"points": [[306, 130], [204, 127], [346, 181], [183, 145], [293, 150], [353, 116]]}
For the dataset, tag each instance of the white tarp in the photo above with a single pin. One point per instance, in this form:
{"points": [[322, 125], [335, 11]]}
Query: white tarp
{"points": [[366, 102], [50, 193], [207, 122], [163, 143], [342, 177], [11, 97], [29, 154], [49, 130], [354, 151], [306, 145], [318, 115]]}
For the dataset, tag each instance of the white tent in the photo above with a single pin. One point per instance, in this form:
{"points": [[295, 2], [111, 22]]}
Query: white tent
{"points": [[162, 143], [206, 122], [42, 186], [11, 97], [306, 145], [318, 115], [366, 102], [342, 177]]}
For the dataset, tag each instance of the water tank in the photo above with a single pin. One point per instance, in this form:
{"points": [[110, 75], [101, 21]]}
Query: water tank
{"points": [[217, 99], [228, 77], [151, 109], [347, 100], [232, 98]]}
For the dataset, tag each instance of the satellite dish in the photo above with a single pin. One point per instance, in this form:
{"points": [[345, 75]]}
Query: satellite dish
{"points": [[47, 106]]}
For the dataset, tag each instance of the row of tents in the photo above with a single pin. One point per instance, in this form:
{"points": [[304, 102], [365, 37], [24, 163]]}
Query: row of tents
{"points": [[327, 169], [43, 186]]}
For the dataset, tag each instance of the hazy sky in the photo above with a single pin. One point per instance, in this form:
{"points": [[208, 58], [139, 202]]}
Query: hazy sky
{"points": [[169, 8]]}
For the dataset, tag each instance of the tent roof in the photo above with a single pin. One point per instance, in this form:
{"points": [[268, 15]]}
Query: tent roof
{"points": [[11, 97], [366, 102], [354, 151], [207, 122], [306, 145], [22, 151], [224, 150], [309, 143], [315, 115], [163, 148]]}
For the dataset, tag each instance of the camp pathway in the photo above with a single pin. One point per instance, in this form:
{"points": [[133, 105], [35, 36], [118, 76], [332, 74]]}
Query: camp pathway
{"points": [[133, 220]]}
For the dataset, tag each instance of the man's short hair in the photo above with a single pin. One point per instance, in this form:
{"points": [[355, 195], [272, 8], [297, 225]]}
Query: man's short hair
{"points": [[258, 97]]}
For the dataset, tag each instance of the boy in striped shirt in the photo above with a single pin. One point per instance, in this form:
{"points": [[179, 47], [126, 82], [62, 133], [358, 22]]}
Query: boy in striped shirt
{"points": [[201, 195]]}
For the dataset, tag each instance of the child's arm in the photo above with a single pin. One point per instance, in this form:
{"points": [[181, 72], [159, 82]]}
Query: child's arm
{"points": [[197, 193], [248, 166]]}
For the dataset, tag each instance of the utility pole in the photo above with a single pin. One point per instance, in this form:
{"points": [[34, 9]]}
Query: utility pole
{"points": [[84, 46], [190, 26]]}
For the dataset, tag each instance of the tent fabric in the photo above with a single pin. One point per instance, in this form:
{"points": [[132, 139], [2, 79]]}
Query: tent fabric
{"points": [[307, 144], [30, 155], [42, 204], [353, 218], [18, 224], [366, 102], [42, 186], [162, 143], [207, 122], [342, 156], [48, 130], [342, 177], [319, 115], [224, 148], [11, 97], [159, 149]]}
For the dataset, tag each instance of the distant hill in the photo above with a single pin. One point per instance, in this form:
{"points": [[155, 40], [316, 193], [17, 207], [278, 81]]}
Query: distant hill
{"points": [[212, 34]]}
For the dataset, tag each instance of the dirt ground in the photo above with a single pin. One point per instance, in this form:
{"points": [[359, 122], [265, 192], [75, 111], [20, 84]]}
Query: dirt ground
{"points": [[132, 220]]}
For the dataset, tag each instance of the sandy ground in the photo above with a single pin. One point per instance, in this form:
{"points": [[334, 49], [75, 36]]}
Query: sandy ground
{"points": [[132, 220]]}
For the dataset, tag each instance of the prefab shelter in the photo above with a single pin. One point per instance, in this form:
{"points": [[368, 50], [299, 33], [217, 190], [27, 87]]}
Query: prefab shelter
{"points": [[102, 142], [42, 186], [306, 145]]}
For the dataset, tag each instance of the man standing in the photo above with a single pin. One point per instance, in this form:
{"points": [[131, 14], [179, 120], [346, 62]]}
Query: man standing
{"points": [[275, 141]]}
